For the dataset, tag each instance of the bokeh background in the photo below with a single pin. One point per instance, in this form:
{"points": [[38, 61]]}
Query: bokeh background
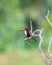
{"points": [[14, 16]]}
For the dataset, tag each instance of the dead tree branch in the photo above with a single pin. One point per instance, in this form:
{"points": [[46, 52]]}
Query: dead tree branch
{"points": [[41, 45], [49, 52], [48, 18], [31, 26]]}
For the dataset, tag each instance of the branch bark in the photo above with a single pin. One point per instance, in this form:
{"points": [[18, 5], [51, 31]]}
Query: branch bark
{"points": [[48, 18], [41, 46], [49, 52]]}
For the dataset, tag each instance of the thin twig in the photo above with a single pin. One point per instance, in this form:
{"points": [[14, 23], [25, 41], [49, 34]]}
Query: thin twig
{"points": [[31, 26], [49, 52], [48, 19], [29, 44]]}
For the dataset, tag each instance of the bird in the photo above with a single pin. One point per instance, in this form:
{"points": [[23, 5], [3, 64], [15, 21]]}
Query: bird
{"points": [[29, 33]]}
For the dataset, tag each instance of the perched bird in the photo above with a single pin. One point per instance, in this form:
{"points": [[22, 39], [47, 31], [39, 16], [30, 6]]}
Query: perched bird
{"points": [[29, 32]]}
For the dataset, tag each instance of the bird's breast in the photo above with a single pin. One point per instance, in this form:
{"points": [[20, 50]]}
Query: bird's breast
{"points": [[28, 34]]}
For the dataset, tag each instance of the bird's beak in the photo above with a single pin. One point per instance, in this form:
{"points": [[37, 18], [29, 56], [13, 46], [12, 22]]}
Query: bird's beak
{"points": [[21, 30]]}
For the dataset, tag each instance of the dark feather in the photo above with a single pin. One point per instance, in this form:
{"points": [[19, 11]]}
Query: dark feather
{"points": [[34, 38], [34, 24]]}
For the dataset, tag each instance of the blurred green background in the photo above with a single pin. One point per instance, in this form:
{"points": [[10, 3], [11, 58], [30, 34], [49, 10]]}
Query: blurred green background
{"points": [[14, 16]]}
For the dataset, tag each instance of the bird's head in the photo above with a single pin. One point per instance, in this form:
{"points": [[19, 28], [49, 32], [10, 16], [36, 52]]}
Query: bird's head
{"points": [[25, 30]]}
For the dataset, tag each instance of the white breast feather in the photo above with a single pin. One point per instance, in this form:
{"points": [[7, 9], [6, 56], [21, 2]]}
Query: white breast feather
{"points": [[25, 32]]}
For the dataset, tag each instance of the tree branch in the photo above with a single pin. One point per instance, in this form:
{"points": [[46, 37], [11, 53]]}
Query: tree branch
{"points": [[40, 48], [41, 45], [49, 52], [48, 19], [31, 26]]}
